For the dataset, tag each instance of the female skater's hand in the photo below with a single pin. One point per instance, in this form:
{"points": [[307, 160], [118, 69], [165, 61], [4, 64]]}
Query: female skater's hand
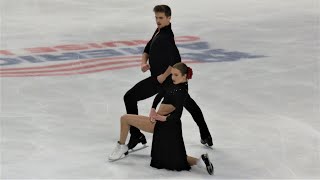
{"points": [[159, 117], [152, 112], [152, 120]]}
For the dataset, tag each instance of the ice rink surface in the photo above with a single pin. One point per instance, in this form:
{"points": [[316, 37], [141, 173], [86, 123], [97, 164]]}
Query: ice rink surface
{"points": [[65, 66]]}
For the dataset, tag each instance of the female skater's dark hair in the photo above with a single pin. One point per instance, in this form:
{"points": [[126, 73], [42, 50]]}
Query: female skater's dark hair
{"points": [[184, 69]]}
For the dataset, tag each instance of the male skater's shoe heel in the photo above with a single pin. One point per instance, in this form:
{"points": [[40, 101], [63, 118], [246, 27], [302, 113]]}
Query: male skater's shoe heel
{"points": [[207, 141], [143, 140], [134, 140]]}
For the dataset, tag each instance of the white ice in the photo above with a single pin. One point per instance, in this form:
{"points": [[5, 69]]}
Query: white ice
{"points": [[263, 113]]}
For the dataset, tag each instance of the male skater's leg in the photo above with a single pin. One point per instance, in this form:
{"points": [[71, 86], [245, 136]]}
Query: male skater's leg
{"points": [[197, 116], [142, 90]]}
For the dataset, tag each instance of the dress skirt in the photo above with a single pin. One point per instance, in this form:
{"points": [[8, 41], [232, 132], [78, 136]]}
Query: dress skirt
{"points": [[168, 150]]}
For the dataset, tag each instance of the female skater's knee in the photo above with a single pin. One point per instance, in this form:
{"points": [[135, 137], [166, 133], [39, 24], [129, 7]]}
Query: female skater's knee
{"points": [[124, 118]]}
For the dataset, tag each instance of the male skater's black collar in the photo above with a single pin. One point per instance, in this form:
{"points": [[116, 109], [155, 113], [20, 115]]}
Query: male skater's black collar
{"points": [[164, 30], [168, 27]]}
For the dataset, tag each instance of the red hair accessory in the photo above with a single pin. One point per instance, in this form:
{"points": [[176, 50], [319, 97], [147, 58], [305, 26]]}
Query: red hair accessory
{"points": [[189, 73]]}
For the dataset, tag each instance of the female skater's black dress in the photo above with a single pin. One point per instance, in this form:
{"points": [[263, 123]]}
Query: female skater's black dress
{"points": [[168, 150]]}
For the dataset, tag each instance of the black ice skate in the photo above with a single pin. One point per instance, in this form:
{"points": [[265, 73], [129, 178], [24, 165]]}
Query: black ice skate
{"points": [[134, 140], [207, 141], [208, 164]]}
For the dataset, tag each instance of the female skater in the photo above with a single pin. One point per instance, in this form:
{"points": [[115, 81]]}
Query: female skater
{"points": [[168, 150]]}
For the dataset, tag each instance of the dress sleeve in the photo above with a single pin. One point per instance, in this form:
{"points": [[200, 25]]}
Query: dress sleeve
{"points": [[178, 101], [158, 98]]}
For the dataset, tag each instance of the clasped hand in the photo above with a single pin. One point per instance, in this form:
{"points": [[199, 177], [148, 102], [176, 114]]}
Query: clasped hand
{"points": [[155, 116]]}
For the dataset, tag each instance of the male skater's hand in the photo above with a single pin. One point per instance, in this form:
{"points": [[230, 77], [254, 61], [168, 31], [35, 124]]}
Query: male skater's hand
{"points": [[161, 78], [145, 67]]}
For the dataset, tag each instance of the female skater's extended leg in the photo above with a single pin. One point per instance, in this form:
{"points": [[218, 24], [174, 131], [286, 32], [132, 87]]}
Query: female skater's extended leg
{"points": [[127, 120], [141, 122]]}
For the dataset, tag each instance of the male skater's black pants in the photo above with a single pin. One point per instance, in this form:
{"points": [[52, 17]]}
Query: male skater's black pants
{"points": [[149, 87]]}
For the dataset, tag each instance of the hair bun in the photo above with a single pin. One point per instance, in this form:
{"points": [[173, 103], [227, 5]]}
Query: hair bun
{"points": [[189, 73]]}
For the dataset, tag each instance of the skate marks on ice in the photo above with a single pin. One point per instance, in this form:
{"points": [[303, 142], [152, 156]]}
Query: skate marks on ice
{"points": [[129, 152]]}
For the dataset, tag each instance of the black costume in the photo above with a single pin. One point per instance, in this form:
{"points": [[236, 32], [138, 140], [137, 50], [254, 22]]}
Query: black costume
{"points": [[168, 150], [163, 53]]}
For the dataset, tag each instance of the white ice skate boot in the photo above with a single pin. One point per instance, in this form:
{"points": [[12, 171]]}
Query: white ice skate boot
{"points": [[204, 162], [119, 152]]}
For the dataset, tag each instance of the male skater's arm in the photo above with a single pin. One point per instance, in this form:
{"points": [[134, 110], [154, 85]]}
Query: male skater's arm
{"points": [[145, 57], [168, 48], [144, 62], [162, 77]]}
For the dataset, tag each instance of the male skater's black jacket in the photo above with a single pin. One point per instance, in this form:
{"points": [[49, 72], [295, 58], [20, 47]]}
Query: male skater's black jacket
{"points": [[162, 51]]}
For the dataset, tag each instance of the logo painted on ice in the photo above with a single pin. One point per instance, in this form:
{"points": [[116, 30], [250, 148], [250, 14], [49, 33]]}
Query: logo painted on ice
{"points": [[74, 59]]}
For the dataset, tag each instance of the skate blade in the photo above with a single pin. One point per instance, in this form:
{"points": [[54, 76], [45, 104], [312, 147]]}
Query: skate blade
{"points": [[206, 145], [113, 160], [137, 149], [129, 152]]}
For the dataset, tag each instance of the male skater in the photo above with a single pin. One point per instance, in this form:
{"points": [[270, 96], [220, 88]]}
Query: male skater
{"points": [[162, 53]]}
